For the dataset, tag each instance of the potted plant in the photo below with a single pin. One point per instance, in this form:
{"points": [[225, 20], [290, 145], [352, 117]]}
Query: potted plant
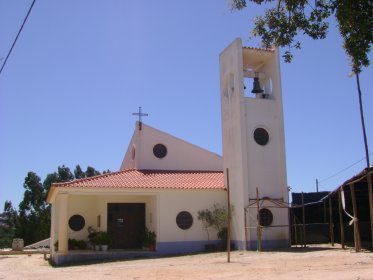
{"points": [[81, 245], [104, 240], [96, 241], [149, 239], [72, 244], [94, 238]]}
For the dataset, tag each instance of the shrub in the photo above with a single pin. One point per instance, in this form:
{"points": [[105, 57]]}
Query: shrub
{"points": [[82, 245], [217, 218], [149, 238], [104, 238]]}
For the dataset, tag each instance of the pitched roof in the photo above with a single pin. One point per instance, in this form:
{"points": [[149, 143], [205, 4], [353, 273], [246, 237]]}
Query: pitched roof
{"points": [[151, 179], [140, 153]]}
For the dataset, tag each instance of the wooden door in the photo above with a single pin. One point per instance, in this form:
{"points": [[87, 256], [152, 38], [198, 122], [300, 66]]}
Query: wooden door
{"points": [[126, 224]]}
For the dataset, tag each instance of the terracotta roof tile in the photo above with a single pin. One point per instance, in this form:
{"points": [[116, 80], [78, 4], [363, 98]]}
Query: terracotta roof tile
{"points": [[151, 179]]}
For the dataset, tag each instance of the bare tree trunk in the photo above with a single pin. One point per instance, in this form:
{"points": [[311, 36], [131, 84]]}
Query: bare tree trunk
{"points": [[369, 178], [362, 120]]}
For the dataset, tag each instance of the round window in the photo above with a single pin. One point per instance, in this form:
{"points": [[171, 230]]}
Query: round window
{"points": [[160, 150], [261, 136], [76, 222], [184, 220], [265, 217]]}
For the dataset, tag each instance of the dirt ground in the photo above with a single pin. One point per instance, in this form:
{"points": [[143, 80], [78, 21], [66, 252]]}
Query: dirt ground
{"points": [[312, 263]]}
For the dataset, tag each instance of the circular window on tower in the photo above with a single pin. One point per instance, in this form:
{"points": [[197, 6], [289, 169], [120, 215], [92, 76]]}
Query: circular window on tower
{"points": [[160, 150], [261, 136], [76, 222], [184, 220], [265, 217]]}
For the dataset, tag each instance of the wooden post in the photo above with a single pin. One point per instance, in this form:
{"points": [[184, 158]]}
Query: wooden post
{"points": [[304, 222], [341, 223], [356, 221], [229, 221], [289, 221], [370, 194], [331, 225], [259, 232], [295, 232], [245, 228], [325, 211]]}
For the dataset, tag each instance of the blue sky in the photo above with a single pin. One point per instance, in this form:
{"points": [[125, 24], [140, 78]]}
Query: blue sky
{"points": [[81, 68]]}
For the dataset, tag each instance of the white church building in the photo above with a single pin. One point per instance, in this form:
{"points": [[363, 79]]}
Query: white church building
{"points": [[164, 181]]}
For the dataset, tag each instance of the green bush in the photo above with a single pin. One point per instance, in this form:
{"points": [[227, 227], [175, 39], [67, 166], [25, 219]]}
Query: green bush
{"points": [[149, 238], [216, 218], [82, 245], [104, 238], [73, 244]]}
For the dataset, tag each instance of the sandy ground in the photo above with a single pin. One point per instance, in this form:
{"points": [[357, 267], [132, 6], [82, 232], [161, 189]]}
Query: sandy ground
{"points": [[313, 263]]}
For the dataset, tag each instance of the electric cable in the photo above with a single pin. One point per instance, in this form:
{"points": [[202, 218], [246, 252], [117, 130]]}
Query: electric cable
{"points": [[344, 169], [15, 40]]}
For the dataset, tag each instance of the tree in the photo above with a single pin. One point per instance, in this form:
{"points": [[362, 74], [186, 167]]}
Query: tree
{"points": [[34, 216], [355, 22], [10, 214], [33, 197], [78, 172], [8, 222], [49, 180], [33, 220], [90, 172], [282, 23], [216, 218], [64, 174]]}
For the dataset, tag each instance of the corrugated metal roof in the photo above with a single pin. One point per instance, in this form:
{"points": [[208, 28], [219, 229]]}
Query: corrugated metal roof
{"points": [[151, 179], [309, 198]]}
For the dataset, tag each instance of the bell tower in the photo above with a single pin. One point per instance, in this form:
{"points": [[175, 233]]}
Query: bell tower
{"points": [[254, 145]]}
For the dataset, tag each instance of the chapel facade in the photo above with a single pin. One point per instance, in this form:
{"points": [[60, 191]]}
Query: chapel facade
{"points": [[164, 181]]}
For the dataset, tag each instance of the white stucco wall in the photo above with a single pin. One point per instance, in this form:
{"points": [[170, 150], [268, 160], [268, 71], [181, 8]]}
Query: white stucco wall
{"points": [[181, 155], [129, 160], [233, 133], [250, 165], [162, 207], [172, 202], [92, 203], [266, 166], [86, 206]]}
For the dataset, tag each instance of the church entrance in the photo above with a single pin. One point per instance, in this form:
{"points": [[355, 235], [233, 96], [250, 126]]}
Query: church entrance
{"points": [[126, 224]]}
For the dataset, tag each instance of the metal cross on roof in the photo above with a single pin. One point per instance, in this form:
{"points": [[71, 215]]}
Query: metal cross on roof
{"points": [[140, 114]]}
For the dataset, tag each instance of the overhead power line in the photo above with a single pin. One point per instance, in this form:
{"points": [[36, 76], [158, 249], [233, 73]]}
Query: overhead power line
{"points": [[344, 169], [15, 40]]}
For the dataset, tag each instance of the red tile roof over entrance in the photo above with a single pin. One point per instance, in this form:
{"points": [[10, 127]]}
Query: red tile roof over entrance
{"points": [[151, 179]]}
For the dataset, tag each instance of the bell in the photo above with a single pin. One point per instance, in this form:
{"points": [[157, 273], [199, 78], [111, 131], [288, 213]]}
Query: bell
{"points": [[256, 86]]}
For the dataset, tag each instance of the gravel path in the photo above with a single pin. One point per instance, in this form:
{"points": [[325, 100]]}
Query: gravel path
{"points": [[317, 263]]}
